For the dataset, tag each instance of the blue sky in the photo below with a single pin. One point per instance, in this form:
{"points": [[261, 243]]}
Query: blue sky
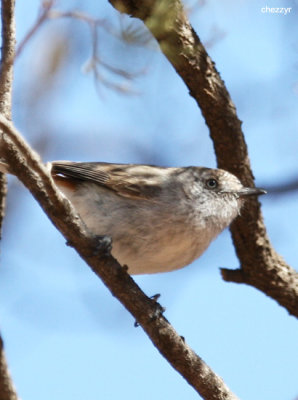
{"points": [[66, 337]]}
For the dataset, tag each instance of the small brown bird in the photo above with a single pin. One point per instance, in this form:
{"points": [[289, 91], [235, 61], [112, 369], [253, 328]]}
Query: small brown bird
{"points": [[160, 219]]}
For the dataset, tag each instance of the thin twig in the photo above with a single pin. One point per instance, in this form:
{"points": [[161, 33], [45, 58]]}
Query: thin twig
{"points": [[95, 63], [44, 15]]}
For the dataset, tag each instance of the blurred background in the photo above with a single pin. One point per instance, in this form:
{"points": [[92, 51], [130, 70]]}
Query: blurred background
{"points": [[91, 85]]}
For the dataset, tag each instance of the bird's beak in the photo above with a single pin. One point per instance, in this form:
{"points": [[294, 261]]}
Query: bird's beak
{"points": [[247, 191]]}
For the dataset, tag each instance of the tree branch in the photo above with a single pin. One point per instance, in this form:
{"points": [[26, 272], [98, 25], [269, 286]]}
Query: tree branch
{"points": [[7, 56], [261, 266], [283, 188], [6, 76], [25, 164], [180, 44], [7, 390], [44, 14]]}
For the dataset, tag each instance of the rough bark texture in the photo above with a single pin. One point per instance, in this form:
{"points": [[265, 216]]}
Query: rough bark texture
{"points": [[261, 266], [182, 47], [24, 163], [6, 76], [7, 390], [7, 56]]}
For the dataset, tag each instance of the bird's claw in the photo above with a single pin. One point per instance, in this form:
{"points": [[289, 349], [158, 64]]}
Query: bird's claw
{"points": [[158, 311], [102, 245]]}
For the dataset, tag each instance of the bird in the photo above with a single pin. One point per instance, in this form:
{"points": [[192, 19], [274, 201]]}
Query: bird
{"points": [[159, 218]]}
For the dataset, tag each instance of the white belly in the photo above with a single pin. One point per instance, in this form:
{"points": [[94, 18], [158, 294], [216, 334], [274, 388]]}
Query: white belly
{"points": [[145, 237]]}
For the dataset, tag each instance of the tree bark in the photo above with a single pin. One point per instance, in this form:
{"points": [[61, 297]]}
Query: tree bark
{"points": [[261, 266], [178, 41], [25, 164], [7, 390]]}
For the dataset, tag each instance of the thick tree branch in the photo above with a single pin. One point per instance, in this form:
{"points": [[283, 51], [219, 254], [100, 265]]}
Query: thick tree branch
{"points": [[183, 48], [24, 163], [261, 266], [7, 56], [6, 76], [7, 390]]}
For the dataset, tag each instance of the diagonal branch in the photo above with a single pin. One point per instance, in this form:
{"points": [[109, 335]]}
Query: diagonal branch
{"points": [[261, 266], [24, 163], [44, 15], [7, 390]]}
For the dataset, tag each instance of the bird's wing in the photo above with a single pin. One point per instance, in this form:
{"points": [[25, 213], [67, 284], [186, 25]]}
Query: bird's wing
{"points": [[128, 180]]}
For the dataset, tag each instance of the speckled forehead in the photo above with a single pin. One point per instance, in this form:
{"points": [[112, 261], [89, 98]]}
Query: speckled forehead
{"points": [[202, 173], [197, 173], [227, 177]]}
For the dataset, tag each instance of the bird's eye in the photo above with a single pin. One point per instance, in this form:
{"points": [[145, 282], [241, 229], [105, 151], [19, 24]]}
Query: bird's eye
{"points": [[211, 183]]}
